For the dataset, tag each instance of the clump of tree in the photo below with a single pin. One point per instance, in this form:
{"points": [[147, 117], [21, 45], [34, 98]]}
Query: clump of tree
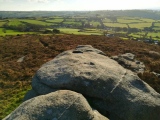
{"points": [[56, 31], [47, 32], [24, 27]]}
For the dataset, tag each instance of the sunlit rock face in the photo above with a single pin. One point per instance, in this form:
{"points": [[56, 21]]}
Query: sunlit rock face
{"points": [[59, 105]]}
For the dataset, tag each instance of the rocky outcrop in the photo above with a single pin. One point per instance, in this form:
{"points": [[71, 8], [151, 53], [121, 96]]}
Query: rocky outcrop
{"points": [[128, 61], [154, 54], [59, 105], [113, 90]]}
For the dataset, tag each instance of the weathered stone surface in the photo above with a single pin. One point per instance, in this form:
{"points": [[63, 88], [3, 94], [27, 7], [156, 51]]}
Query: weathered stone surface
{"points": [[89, 73], [87, 48], [59, 105], [128, 61], [131, 100], [128, 56], [41, 88], [97, 76]]}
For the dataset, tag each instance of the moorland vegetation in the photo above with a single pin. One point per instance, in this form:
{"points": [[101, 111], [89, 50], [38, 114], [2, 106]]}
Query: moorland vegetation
{"points": [[16, 76]]}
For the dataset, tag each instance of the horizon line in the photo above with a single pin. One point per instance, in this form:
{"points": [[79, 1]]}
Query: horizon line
{"points": [[72, 10]]}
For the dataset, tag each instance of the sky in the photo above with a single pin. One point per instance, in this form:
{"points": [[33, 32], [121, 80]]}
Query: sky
{"points": [[76, 5]]}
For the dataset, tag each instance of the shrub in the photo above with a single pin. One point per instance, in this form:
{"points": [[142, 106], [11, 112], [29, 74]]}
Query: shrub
{"points": [[56, 31]]}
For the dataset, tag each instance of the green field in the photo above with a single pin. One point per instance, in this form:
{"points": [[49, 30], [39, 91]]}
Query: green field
{"points": [[157, 24], [136, 35], [115, 25], [36, 22], [95, 24], [156, 28], [73, 23], [78, 32], [155, 36], [140, 25], [14, 22], [124, 20], [12, 32], [147, 20], [55, 20], [134, 19], [106, 20], [2, 23], [133, 22], [56, 17], [84, 20], [70, 20]]}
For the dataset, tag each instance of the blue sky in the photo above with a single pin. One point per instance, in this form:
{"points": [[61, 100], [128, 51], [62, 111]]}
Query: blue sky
{"points": [[56, 5]]}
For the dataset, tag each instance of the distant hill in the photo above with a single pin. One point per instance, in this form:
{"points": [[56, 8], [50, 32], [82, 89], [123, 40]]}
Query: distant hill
{"points": [[153, 14]]}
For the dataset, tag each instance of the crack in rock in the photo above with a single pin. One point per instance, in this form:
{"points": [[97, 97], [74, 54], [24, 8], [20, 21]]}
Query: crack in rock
{"points": [[119, 82], [68, 108]]}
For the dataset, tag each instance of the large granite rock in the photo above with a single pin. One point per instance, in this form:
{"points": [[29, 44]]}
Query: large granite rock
{"points": [[88, 71], [113, 90], [30, 94], [59, 105], [128, 61]]}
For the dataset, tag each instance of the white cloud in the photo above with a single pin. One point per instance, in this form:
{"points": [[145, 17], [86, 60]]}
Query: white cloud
{"points": [[78, 4], [39, 1], [6, 1]]}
